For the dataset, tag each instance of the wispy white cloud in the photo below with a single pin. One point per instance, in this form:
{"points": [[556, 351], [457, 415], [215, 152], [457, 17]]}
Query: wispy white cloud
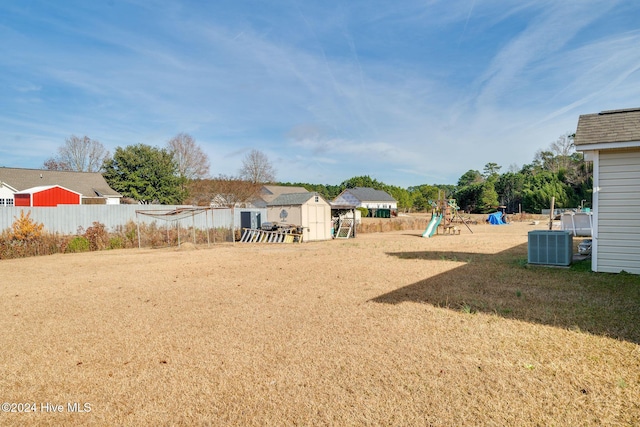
{"points": [[408, 91], [548, 32]]}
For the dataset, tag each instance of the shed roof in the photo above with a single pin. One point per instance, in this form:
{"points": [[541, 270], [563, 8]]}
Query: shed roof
{"points": [[269, 193], [88, 184], [609, 126], [366, 194], [292, 199]]}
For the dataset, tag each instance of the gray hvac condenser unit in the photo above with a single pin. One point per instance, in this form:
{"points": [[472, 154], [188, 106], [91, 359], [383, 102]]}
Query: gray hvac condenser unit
{"points": [[550, 247]]}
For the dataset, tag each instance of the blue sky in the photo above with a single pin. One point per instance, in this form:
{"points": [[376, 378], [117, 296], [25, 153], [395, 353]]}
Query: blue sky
{"points": [[407, 92]]}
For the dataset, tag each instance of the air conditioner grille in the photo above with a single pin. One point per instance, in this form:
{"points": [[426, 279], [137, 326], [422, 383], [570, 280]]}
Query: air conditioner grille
{"points": [[550, 247]]}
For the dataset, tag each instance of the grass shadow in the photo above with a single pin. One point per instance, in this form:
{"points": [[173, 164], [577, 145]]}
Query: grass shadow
{"points": [[506, 285]]}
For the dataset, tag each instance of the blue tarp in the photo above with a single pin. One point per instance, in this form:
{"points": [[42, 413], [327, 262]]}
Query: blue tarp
{"points": [[496, 219]]}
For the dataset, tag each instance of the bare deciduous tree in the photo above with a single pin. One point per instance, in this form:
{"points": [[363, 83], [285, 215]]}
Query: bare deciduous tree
{"points": [[564, 145], [257, 168], [558, 156], [192, 162], [563, 148], [54, 164], [79, 155], [225, 191]]}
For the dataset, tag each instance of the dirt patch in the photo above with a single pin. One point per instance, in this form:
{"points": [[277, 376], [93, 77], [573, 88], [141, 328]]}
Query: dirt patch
{"points": [[186, 246], [366, 331]]}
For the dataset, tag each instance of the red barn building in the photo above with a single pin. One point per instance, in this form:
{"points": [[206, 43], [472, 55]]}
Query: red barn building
{"points": [[47, 195]]}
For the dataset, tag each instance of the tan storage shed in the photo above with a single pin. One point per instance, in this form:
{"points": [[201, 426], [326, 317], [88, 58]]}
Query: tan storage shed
{"points": [[307, 210], [611, 139]]}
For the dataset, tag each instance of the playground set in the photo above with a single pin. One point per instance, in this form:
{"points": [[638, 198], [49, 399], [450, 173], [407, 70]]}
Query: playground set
{"points": [[444, 214]]}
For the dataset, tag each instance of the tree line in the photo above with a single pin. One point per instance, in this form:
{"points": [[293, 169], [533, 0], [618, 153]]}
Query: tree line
{"points": [[180, 173], [556, 172]]}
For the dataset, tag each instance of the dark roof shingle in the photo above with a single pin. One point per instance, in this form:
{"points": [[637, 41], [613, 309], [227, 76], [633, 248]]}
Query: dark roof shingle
{"points": [[366, 194], [291, 199], [608, 126], [269, 193]]}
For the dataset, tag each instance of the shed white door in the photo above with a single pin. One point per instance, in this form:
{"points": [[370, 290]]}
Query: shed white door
{"points": [[319, 223]]}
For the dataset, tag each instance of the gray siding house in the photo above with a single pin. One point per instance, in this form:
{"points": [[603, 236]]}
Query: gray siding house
{"points": [[611, 139], [365, 197]]}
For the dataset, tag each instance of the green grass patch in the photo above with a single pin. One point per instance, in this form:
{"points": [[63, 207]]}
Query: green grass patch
{"points": [[78, 244], [582, 265], [573, 298]]}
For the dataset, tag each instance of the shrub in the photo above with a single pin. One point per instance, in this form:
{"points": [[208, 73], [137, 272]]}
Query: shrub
{"points": [[97, 236], [6, 245], [78, 244], [23, 239], [25, 229], [131, 233], [127, 233], [156, 237], [364, 212], [116, 242], [50, 243]]}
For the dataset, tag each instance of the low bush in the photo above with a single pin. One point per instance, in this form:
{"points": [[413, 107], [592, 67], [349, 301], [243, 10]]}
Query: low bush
{"points": [[28, 238], [78, 244], [116, 242], [364, 212], [97, 236], [24, 229], [24, 238]]}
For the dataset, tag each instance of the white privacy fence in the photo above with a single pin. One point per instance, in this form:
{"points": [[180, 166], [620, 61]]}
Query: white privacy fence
{"points": [[66, 219]]}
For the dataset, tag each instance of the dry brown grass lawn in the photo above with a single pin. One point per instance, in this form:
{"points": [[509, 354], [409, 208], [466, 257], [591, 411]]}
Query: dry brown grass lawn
{"points": [[385, 329]]}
